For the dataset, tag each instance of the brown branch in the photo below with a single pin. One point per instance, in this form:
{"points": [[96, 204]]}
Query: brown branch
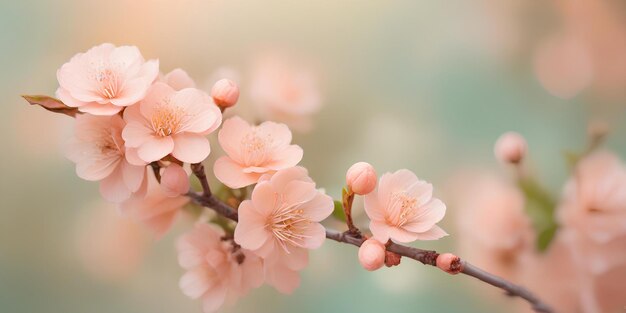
{"points": [[426, 257]]}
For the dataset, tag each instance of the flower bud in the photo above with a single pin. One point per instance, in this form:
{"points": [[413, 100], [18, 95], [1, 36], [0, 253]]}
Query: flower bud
{"points": [[174, 180], [361, 178], [225, 93], [449, 263], [510, 148], [372, 254]]}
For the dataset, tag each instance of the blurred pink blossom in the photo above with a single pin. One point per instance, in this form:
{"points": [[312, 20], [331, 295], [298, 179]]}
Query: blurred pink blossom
{"points": [[493, 229], [253, 151], [99, 152], [510, 148], [110, 246], [178, 79], [403, 209], [217, 271], [156, 210], [593, 211], [285, 91], [281, 223], [105, 79], [169, 121]]}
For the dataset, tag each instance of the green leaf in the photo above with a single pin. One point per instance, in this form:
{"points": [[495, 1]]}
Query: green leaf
{"points": [[338, 211], [51, 104], [540, 208]]}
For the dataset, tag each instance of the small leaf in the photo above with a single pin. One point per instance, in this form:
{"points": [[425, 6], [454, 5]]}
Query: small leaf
{"points": [[51, 104], [338, 211], [540, 209]]}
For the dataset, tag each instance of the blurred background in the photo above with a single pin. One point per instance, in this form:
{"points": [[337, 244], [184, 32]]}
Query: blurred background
{"points": [[423, 85]]}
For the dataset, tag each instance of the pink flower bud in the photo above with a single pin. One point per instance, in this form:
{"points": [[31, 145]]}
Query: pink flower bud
{"points": [[225, 93], [449, 263], [361, 178], [510, 148], [372, 254], [174, 180]]}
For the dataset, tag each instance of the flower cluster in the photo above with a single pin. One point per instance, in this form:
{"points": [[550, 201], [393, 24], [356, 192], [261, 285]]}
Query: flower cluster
{"points": [[141, 133], [571, 250]]}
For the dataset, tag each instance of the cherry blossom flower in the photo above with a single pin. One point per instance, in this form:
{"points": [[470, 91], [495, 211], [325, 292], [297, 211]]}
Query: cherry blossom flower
{"points": [[169, 121], [403, 209], [105, 79], [281, 223], [217, 270], [99, 152], [157, 210], [253, 151], [285, 91], [505, 239], [593, 211]]}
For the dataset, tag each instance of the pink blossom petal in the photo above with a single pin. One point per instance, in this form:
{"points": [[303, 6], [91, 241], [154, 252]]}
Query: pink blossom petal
{"points": [[179, 79], [174, 181], [250, 232], [432, 234], [429, 215], [283, 279], [380, 231], [297, 259], [402, 235], [191, 148], [263, 198], [133, 158], [155, 148], [281, 135], [315, 236], [135, 134], [288, 157], [100, 109], [155, 96], [133, 175], [113, 188], [319, 208], [213, 299], [299, 192], [230, 136], [231, 173], [284, 177], [373, 209], [195, 282]]}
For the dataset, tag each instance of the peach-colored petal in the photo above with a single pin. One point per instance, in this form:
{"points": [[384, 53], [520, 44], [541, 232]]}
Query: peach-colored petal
{"points": [[133, 175], [231, 174], [315, 236], [289, 157], [135, 134], [155, 148], [113, 187], [230, 136], [283, 279], [100, 109], [282, 178], [179, 79], [319, 208], [432, 234], [174, 180], [195, 282], [297, 192], [213, 299], [380, 231], [250, 233], [191, 148], [430, 214]]}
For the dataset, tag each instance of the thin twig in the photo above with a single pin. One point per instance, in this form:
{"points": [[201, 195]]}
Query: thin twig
{"points": [[426, 257]]}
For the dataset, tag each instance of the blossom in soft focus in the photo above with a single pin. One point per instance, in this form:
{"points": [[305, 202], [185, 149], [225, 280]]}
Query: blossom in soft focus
{"points": [[225, 93], [281, 223], [510, 148], [156, 210], [178, 79], [285, 91], [169, 121], [372, 254], [403, 209], [563, 65], [217, 270], [253, 151], [105, 79], [174, 180], [593, 211], [99, 152], [110, 247], [494, 231], [361, 178]]}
